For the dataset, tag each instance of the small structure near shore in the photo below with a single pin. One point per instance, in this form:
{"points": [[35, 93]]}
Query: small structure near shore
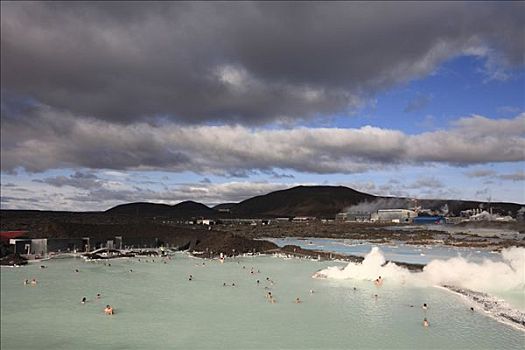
{"points": [[107, 253], [13, 260]]}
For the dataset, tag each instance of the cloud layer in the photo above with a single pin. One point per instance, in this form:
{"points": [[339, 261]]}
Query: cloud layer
{"points": [[246, 62], [39, 138]]}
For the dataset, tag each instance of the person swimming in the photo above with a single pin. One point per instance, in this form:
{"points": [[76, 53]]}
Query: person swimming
{"points": [[424, 307], [471, 308], [98, 295], [34, 282], [258, 282], [83, 301], [297, 300], [379, 281], [76, 270], [311, 291], [425, 323], [190, 278], [108, 310]]}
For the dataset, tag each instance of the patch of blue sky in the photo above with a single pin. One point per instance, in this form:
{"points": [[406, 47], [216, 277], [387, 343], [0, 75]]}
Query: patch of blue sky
{"points": [[458, 88]]}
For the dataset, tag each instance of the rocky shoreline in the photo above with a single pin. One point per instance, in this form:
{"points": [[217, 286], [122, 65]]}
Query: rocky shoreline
{"points": [[13, 260], [239, 245], [492, 305]]}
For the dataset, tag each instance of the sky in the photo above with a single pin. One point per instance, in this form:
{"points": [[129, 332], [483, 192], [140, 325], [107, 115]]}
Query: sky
{"points": [[115, 102]]}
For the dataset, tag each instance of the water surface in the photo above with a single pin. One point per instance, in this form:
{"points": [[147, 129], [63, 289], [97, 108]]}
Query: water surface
{"points": [[157, 307]]}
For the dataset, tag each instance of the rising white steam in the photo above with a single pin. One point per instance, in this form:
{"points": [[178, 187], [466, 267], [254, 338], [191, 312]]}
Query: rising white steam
{"points": [[488, 276], [371, 268]]}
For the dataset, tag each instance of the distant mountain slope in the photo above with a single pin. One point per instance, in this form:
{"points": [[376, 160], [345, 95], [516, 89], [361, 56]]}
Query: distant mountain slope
{"points": [[224, 206], [320, 201], [185, 209]]}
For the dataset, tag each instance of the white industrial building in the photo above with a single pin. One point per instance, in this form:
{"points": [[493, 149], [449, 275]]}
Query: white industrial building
{"points": [[396, 215]]}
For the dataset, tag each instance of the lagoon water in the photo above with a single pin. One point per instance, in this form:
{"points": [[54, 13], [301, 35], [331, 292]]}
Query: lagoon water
{"points": [[395, 251], [157, 307]]}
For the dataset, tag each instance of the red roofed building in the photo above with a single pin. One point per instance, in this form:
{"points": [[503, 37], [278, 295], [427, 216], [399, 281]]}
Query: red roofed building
{"points": [[5, 236]]}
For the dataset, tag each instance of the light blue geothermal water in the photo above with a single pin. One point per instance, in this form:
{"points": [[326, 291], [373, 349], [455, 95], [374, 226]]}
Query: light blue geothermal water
{"points": [[157, 307], [396, 251]]}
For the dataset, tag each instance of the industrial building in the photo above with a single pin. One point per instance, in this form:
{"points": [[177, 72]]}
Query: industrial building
{"points": [[396, 215], [339, 217], [43, 246], [429, 220], [359, 216]]}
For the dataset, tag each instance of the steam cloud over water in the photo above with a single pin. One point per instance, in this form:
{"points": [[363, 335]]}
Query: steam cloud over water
{"points": [[488, 276], [471, 280], [381, 203]]}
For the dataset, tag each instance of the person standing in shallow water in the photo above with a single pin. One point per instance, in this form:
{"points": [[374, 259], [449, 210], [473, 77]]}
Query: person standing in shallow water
{"points": [[379, 281], [108, 310], [425, 323]]}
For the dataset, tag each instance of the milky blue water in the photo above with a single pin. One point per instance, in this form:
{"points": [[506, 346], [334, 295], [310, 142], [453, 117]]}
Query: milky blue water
{"points": [[158, 308], [396, 251]]}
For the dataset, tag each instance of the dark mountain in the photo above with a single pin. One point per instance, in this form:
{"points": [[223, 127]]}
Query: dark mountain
{"points": [[185, 209], [320, 201], [224, 206]]}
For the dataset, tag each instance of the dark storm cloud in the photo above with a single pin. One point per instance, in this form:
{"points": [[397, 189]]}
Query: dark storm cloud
{"points": [[246, 62]]}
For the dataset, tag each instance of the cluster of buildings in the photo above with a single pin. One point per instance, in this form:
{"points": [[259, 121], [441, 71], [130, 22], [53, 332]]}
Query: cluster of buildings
{"points": [[19, 243], [419, 216], [381, 215], [239, 221], [483, 215]]}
